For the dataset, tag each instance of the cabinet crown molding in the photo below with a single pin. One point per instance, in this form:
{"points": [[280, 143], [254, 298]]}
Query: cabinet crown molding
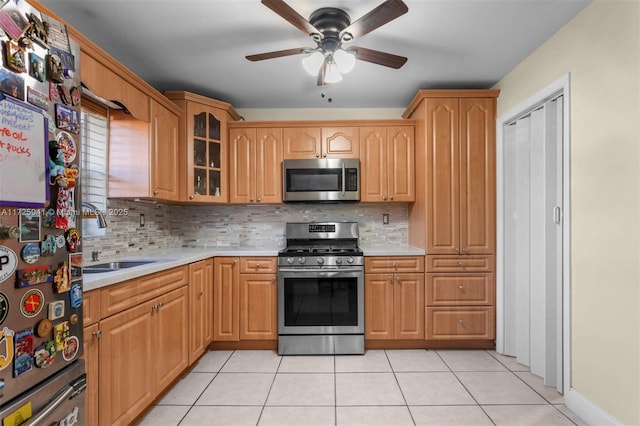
{"points": [[448, 93]]}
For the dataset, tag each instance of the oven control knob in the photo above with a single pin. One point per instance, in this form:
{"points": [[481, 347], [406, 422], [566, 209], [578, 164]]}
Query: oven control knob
{"points": [[350, 259], [302, 260], [339, 261], [320, 261], [290, 260]]}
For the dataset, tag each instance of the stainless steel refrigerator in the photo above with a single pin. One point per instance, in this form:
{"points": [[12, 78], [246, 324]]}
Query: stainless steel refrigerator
{"points": [[42, 378]]}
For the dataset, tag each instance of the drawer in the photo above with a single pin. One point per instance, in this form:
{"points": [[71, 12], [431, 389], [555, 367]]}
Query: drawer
{"points": [[464, 289], [90, 307], [384, 264], [130, 293], [468, 323], [261, 265], [453, 263]]}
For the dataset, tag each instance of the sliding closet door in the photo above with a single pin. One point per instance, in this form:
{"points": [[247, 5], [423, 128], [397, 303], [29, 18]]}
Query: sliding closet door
{"points": [[533, 241]]}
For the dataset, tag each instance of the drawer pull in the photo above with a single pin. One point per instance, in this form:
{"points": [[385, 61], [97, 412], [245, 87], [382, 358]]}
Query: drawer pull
{"points": [[394, 264], [460, 263], [390, 279], [258, 266], [461, 322], [200, 293], [461, 287], [98, 333]]}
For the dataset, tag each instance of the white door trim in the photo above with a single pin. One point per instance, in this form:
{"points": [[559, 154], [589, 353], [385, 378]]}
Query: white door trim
{"points": [[559, 87]]}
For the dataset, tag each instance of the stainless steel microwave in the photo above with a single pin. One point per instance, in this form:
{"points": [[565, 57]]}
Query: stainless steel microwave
{"points": [[323, 180]]}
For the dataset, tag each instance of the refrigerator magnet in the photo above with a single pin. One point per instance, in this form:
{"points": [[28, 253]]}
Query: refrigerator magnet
{"points": [[6, 337], [43, 329], [67, 144], [30, 253], [61, 279], [24, 352], [71, 346], [8, 262], [32, 303], [75, 295], [73, 239], [60, 334], [48, 246], [4, 307], [34, 275], [56, 310], [45, 354]]}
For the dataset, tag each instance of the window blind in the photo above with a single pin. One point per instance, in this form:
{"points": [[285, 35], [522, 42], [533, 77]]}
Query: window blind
{"points": [[94, 154]]}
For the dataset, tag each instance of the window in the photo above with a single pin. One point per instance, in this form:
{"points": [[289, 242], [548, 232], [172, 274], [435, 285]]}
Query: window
{"points": [[94, 162]]}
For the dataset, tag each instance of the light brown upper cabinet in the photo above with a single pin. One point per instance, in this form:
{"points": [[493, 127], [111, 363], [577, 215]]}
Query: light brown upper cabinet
{"points": [[387, 164], [204, 145], [320, 142], [255, 165], [454, 211]]}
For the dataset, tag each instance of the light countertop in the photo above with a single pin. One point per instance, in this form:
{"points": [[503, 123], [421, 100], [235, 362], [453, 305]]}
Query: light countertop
{"points": [[171, 258]]}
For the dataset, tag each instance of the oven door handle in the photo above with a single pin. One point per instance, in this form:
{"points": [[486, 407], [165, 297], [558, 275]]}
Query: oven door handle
{"points": [[322, 272]]}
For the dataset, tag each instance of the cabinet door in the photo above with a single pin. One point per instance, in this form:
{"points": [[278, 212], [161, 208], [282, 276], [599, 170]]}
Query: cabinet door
{"points": [[409, 306], [164, 153], [373, 164], [226, 299], [242, 166], [127, 374], [477, 175], [443, 193], [170, 337], [400, 154], [378, 306], [198, 307], [91, 355], [340, 142], [301, 142], [208, 303], [268, 172], [258, 307], [206, 154]]}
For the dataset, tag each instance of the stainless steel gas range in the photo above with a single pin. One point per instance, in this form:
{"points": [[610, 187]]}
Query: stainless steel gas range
{"points": [[321, 290]]}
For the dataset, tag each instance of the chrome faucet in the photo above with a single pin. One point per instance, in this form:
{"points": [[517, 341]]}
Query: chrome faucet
{"points": [[102, 221]]}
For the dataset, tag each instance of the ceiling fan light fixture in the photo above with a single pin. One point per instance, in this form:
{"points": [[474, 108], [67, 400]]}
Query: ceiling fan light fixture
{"points": [[332, 74], [344, 60], [313, 62]]}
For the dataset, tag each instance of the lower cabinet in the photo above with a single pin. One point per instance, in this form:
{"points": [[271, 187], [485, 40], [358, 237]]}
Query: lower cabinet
{"points": [[460, 298], [394, 298], [200, 308], [134, 347], [245, 299]]}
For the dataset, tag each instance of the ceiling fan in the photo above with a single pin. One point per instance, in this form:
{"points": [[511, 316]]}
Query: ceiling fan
{"points": [[329, 28]]}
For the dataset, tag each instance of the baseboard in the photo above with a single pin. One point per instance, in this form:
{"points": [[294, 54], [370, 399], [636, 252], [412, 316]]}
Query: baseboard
{"points": [[587, 410]]}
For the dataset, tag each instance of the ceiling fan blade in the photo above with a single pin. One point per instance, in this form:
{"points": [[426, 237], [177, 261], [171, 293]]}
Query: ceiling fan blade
{"points": [[277, 54], [377, 57], [386, 12], [293, 17]]}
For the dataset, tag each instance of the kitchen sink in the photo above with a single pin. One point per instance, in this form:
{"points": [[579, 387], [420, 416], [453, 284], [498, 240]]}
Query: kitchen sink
{"points": [[115, 266]]}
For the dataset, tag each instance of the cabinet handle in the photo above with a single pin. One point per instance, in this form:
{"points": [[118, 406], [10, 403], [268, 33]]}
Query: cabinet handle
{"points": [[251, 200], [156, 192], [161, 304], [154, 307], [258, 266], [274, 278], [394, 265], [464, 250], [259, 199], [460, 263], [391, 197], [390, 279], [200, 293], [317, 155], [384, 198], [461, 322], [398, 279], [324, 155], [461, 287], [191, 197], [98, 334], [457, 250]]}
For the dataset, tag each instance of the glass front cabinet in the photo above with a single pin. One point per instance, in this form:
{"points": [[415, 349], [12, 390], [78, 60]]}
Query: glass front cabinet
{"points": [[204, 126]]}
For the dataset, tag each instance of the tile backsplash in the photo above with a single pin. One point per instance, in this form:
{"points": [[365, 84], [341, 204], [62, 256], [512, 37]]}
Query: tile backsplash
{"points": [[258, 226]]}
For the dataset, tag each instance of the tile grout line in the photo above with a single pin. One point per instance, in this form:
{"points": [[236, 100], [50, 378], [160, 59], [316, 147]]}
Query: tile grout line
{"points": [[270, 389], [406, 404]]}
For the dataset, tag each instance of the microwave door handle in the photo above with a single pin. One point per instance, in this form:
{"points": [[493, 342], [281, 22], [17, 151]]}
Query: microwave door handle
{"points": [[344, 180]]}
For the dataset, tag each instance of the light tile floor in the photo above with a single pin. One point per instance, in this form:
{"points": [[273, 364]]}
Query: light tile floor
{"points": [[382, 387]]}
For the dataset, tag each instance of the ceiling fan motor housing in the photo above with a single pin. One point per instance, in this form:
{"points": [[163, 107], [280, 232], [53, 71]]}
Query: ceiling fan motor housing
{"points": [[330, 22]]}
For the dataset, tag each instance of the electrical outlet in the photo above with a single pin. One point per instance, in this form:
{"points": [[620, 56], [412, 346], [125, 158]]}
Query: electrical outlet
{"points": [[385, 218], [141, 220]]}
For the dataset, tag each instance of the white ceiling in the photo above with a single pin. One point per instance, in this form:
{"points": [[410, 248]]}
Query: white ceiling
{"points": [[200, 46]]}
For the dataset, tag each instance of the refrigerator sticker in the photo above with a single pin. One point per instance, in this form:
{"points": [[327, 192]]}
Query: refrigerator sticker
{"points": [[61, 280], [32, 303], [75, 295], [6, 347], [71, 346], [8, 262], [4, 307], [24, 352], [60, 335], [34, 275], [45, 354], [30, 253], [56, 309]]}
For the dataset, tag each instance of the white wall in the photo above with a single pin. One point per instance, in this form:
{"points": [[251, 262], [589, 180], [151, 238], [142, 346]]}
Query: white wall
{"points": [[600, 48]]}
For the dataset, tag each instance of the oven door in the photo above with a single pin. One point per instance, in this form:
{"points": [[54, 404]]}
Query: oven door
{"points": [[320, 301]]}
